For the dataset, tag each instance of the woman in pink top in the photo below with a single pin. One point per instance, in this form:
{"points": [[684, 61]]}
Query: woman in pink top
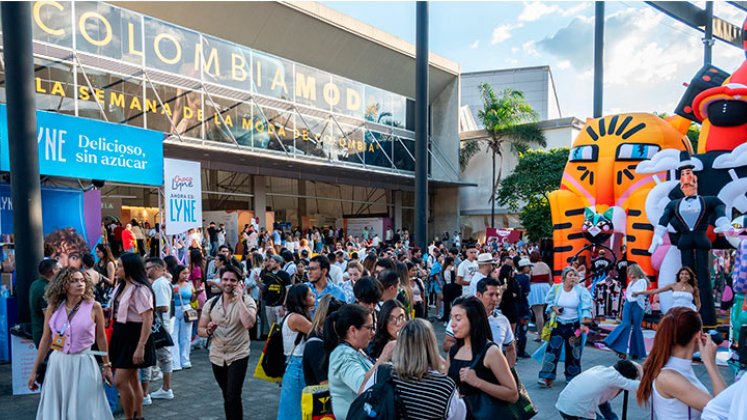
{"points": [[131, 345], [73, 388]]}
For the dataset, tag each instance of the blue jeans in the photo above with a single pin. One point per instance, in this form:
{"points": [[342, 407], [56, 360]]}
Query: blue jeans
{"points": [[629, 330], [522, 327], [290, 393], [562, 335]]}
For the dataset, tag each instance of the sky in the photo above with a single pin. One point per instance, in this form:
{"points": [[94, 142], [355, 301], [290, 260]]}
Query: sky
{"points": [[648, 55]]}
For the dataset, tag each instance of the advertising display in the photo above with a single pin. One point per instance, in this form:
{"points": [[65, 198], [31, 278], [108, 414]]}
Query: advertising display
{"points": [[183, 195], [257, 100], [82, 148], [82, 212]]}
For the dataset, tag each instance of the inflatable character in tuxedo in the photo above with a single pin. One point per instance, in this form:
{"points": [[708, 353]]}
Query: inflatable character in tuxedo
{"points": [[690, 218]]}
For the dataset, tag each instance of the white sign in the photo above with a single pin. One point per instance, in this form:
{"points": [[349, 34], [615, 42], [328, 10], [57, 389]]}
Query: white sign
{"points": [[22, 363], [183, 195]]}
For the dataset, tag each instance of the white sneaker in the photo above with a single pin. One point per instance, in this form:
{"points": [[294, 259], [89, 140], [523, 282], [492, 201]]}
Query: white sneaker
{"points": [[147, 400], [161, 394]]}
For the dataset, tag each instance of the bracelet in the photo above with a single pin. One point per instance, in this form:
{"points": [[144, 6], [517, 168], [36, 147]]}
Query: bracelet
{"points": [[107, 364]]}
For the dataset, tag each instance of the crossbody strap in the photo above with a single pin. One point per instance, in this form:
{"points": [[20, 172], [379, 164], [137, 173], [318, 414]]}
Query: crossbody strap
{"points": [[480, 357]]}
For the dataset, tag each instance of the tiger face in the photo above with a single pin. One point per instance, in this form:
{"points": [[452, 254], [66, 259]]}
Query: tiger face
{"points": [[601, 165]]}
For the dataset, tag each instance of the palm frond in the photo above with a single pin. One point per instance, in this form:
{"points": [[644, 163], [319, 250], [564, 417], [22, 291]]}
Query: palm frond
{"points": [[467, 150]]}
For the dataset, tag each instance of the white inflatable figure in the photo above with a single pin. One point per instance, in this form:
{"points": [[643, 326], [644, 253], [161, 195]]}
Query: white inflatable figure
{"points": [[734, 193]]}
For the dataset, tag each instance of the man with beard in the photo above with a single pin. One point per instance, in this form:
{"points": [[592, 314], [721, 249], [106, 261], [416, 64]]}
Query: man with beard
{"points": [[226, 320], [319, 280]]}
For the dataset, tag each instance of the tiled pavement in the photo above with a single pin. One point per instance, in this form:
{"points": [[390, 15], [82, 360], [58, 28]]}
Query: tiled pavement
{"points": [[198, 397]]}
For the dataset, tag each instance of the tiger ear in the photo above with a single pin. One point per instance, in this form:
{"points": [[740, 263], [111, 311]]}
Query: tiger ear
{"points": [[588, 213], [609, 213], [679, 123]]}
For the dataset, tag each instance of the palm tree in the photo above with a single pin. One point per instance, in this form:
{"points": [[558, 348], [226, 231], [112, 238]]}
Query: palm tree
{"points": [[510, 122]]}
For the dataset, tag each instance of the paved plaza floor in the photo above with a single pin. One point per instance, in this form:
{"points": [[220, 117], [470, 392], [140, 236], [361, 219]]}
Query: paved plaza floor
{"points": [[198, 397]]}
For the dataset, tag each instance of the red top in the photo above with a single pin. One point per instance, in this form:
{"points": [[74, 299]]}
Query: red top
{"points": [[128, 239]]}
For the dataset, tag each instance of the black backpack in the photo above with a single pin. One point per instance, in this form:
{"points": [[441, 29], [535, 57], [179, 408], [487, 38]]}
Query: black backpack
{"points": [[381, 401], [273, 361]]}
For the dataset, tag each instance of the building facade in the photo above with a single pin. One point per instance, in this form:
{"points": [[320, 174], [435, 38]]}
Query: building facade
{"points": [[297, 113], [538, 87]]}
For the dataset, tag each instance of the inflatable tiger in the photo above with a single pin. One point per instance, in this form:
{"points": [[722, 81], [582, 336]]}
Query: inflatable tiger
{"points": [[600, 174]]}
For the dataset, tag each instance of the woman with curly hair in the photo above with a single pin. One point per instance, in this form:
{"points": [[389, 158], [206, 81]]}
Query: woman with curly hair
{"points": [[72, 323], [67, 247]]}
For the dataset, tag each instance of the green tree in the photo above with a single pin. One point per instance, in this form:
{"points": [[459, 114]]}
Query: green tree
{"points": [[537, 174], [511, 124]]}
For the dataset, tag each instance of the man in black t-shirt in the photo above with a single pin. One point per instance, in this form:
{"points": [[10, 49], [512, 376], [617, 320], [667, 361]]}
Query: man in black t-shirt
{"points": [[275, 282]]}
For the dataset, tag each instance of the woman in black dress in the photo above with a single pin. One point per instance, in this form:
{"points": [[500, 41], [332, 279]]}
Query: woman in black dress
{"points": [[131, 346]]}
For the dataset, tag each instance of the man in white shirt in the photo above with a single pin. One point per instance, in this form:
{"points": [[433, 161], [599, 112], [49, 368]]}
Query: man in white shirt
{"points": [[340, 260], [467, 269], [485, 265], [156, 268], [593, 389], [489, 293]]}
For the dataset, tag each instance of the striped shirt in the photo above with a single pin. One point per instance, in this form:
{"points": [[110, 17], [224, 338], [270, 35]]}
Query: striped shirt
{"points": [[430, 398]]}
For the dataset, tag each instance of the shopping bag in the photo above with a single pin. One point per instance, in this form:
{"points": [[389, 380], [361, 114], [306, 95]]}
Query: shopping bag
{"points": [[259, 372], [316, 403]]}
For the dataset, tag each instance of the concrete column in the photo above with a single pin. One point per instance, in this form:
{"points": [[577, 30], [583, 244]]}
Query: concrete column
{"points": [[302, 208], [260, 199], [397, 209]]}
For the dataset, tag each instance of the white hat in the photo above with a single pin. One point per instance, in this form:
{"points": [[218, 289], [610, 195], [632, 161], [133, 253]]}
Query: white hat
{"points": [[485, 258], [524, 262]]}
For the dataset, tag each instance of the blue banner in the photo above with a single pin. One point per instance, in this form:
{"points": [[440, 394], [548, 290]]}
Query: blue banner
{"points": [[82, 148]]}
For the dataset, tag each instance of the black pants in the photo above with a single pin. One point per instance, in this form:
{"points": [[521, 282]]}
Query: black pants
{"points": [[231, 381]]}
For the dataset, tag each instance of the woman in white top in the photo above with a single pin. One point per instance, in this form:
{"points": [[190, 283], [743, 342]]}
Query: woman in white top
{"points": [[684, 292], [296, 326], [669, 384], [629, 329]]}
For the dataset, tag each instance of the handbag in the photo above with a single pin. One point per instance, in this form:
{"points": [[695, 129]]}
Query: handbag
{"points": [[161, 337], [190, 315], [482, 406], [316, 403], [548, 327]]}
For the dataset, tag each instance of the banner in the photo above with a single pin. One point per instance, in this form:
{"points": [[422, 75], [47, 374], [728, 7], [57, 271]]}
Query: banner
{"points": [[82, 213], [183, 195], [81, 148]]}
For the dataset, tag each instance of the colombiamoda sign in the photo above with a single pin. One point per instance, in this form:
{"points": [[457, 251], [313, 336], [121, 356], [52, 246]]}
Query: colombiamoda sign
{"points": [[183, 195]]}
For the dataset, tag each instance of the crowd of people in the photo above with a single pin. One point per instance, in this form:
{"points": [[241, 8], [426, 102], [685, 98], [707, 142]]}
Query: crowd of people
{"points": [[355, 317]]}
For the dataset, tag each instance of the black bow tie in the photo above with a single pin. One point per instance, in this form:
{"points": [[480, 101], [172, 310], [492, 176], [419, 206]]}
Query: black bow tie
{"points": [[691, 197]]}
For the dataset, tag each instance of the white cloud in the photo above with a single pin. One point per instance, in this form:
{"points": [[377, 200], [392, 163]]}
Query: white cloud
{"points": [[575, 10], [475, 44], [530, 49], [564, 64], [503, 32], [535, 10]]}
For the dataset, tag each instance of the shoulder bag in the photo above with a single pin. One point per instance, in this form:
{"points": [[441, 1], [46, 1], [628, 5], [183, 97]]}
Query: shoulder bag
{"points": [[483, 406], [161, 337], [190, 315]]}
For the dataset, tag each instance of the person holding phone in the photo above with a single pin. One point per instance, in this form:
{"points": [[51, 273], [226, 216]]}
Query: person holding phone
{"points": [[226, 320], [669, 385]]}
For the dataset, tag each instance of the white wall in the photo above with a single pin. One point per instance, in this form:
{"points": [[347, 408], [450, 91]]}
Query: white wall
{"points": [[474, 201]]}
